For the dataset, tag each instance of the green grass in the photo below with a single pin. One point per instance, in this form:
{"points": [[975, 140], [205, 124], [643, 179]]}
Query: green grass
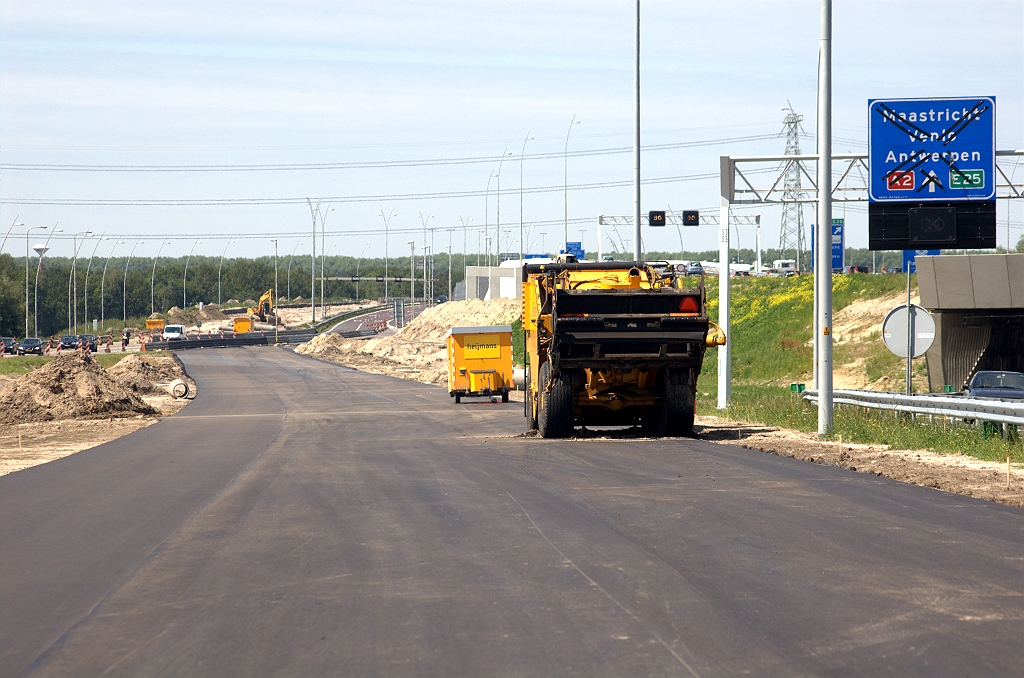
{"points": [[771, 330], [18, 365], [778, 406]]}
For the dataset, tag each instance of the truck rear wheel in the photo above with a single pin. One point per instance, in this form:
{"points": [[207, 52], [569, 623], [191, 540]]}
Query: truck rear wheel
{"points": [[555, 412], [677, 404]]}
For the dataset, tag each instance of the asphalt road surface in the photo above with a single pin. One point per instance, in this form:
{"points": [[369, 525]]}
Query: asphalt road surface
{"points": [[304, 519]]}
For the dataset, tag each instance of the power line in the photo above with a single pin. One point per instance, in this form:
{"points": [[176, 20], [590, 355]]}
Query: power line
{"points": [[194, 202], [432, 162]]}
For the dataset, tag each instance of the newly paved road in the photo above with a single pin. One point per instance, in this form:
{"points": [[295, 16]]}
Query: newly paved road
{"points": [[304, 519]]}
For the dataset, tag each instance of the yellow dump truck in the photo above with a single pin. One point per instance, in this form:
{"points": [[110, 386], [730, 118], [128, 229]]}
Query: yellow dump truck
{"points": [[480, 361], [613, 343]]}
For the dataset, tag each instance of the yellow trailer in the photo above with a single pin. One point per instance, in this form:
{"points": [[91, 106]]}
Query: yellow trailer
{"points": [[480, 361], [243, 324]]}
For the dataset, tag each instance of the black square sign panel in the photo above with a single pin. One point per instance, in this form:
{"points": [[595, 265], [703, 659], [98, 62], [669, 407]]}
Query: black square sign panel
{"points": [[691, 218], [656, 218], [929, 225], [932, 226]]}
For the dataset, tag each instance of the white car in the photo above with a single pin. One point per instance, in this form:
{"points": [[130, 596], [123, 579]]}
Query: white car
{"points": [[175, 333]]}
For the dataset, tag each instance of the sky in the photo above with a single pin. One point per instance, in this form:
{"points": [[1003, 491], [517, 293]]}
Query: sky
{"points": [[203, 123]]}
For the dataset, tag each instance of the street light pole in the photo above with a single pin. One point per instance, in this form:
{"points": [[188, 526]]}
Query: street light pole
{"points": [[87, 270], [387, 222], [312, 266], [565, 171], [42, 253], [103, 280], [323, 259], [637, 243], [124, 290], [152, 279], [13, 224], [359, 262], [277, 317], [425, 297], [522, 157], [219, 269], [497, 227], [290, 257], [412, 271], [184, 278], [29, 230], [73, 278], [487, 212]]}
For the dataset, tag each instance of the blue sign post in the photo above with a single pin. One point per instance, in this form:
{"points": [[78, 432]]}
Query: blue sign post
{"points": [[838, 245], [910, 263], [932, 150]]}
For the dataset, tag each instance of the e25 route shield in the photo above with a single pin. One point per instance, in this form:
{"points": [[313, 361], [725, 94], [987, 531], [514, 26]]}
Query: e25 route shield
{"points": [[940, 150]]}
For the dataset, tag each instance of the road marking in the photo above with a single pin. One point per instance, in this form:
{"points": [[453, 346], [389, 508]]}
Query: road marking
{"points": [[566, 559]]}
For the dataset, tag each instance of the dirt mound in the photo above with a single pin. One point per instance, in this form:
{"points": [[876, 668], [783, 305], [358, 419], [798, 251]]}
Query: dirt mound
{"points": [[143, 376], [73, 385], [417, 351]]}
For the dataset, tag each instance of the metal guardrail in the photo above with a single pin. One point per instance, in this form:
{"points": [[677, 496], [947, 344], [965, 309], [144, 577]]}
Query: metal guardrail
{"points": [[348, 315], [959, 407], [249, 339]]}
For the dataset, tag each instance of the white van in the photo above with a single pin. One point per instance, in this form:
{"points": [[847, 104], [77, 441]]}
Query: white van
{"points": [[174, 333]]}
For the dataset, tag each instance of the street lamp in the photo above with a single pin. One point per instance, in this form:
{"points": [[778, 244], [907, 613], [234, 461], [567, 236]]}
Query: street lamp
{"points": [[292, 255], [103, 280], [29, 230], [220, 269], [412, 271], [497, 226], [87, 270], [73, 278], [358, 262], [13, 224], [387, 222], [41, 251], [465, 252], [426, 248], [184, 278], [487, 212], [152, 279], [522, 156], [565, 169], [323, 258], [277, 317], [124, 288]]}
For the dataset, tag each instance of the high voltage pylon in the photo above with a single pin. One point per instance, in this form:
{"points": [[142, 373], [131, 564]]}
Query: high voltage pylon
{"points": [[791, 235]]}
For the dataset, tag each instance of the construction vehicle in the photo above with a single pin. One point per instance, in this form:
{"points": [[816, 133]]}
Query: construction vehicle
{"points": [[480, 361], [264, 307], [613, 343]]}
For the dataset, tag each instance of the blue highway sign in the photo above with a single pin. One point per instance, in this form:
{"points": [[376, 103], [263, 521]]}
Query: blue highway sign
{"points": [[910, 264], [838, 245], [932, 149]]}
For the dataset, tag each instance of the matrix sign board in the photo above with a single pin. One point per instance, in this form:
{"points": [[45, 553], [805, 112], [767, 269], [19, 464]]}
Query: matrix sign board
{"points": [[932, 150], [656, 218], [910, 263], [691, 218]]}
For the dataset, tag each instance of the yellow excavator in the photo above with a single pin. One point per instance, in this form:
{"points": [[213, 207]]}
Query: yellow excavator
{"points": [[264, 307]]}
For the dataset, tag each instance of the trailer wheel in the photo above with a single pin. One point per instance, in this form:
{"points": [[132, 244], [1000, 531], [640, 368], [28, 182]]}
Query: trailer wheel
{"points": [[677, 404], [555, 412]]}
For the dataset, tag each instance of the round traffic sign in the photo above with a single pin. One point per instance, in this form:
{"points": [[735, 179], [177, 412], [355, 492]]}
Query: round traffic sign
{"points": [[895, 330]]}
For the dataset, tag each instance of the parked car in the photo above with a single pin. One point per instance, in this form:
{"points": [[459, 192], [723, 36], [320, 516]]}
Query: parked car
{"points": [[89, 341], [69, 341], [31, 345], [995, 384], [9, 344], [694, 268]]}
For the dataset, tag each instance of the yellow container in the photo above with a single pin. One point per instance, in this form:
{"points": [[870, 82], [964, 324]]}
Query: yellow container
{"points": [[480, 361], [243, 324]]}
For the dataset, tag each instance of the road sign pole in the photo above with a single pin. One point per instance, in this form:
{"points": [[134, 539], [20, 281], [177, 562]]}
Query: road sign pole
{"points": [[724, 351], [823, 270], [910, 338]]}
